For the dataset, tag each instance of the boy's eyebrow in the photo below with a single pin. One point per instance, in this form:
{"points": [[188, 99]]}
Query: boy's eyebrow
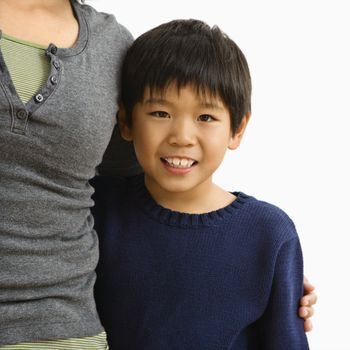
{"points": [[211, 105], [204, 104], [160, 101]]}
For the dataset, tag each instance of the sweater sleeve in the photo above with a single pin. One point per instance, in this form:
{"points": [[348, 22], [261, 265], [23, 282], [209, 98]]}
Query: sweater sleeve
{"points": [[280, 327]]}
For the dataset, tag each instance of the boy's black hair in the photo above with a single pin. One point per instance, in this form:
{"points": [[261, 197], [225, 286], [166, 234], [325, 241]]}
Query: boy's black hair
{"points": [[187, 52]]}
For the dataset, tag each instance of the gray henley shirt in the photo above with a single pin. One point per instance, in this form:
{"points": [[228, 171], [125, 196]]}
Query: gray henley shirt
{"points": [[49, 149]]}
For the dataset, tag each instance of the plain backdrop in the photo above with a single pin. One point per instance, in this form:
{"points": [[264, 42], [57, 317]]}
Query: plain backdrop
{"points": [[295, 153]]}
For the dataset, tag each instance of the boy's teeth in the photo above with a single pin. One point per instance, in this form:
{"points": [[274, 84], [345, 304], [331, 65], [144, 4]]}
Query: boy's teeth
{"points": [[180, 163], [183, 162]]}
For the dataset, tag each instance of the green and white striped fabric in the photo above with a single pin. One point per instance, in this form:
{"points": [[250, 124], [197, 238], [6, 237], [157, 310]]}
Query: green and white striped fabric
{"points": [[97, 342], [28, 66]]}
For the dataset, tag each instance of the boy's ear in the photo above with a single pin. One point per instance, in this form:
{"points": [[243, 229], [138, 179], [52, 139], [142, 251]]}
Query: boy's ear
{"points": [[125, 131], [235, 139]]}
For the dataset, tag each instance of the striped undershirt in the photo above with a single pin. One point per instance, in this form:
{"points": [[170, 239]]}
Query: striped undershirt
{"points": [[97, 342], [28, 66]]}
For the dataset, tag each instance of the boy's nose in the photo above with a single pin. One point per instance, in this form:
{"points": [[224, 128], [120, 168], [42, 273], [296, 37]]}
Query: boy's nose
{"points": [[182, 133]]}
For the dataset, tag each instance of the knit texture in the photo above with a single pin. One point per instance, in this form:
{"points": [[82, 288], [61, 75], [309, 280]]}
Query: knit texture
{"points": [[229, 279]]}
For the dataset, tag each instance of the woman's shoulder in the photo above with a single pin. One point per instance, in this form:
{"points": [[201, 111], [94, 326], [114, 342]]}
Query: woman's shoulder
{"points": [[102, 21]]}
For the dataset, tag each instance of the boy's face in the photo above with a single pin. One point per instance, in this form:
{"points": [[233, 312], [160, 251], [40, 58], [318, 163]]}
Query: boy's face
{"points": [[180, 139]]}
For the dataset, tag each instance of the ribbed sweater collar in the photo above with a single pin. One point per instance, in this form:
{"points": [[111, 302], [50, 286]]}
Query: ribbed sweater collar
{"points": [[151, 208]]}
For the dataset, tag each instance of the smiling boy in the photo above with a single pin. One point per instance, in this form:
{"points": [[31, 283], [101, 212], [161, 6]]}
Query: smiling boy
{"points": [[180, 138], [185, 264]]}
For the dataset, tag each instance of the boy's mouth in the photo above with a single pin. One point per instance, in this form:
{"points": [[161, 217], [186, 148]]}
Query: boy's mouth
{"points": [[176, 162]]}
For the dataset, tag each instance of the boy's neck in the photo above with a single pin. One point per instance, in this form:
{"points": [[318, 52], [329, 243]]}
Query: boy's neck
{"points": [[41, 21], [205, 198]]}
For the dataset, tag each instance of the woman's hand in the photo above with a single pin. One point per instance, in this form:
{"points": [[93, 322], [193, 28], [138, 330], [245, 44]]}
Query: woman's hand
{"points": [[306, 309]]}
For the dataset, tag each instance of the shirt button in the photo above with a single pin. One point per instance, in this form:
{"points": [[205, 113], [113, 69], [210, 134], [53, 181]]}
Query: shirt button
{"points": [[53, 79], [56, 64], [22, 114], [39, 98], [53, 49]]}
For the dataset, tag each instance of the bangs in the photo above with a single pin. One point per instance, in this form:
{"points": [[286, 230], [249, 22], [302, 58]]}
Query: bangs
{"points": [[183, 60], [187, 52]]}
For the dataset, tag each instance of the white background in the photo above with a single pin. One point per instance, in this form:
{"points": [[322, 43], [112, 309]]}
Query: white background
{"points": [[296, 149]]}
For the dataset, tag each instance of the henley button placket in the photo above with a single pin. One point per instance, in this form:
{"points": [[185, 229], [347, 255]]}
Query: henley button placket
{"points": [[56, 64], [20, 121], [22, 114], [53, 79], [39, 98], [53, 49]]}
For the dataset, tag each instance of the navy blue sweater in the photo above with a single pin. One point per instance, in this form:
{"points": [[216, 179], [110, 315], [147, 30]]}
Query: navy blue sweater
{"points": [[229, 279]]}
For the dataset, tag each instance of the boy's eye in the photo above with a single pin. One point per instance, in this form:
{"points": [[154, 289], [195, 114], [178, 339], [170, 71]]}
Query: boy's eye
{"points": [[160, 114], [205, 118]]}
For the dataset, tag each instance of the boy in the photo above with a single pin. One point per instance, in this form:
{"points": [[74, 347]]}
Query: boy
{"points": [[185, 264]]}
